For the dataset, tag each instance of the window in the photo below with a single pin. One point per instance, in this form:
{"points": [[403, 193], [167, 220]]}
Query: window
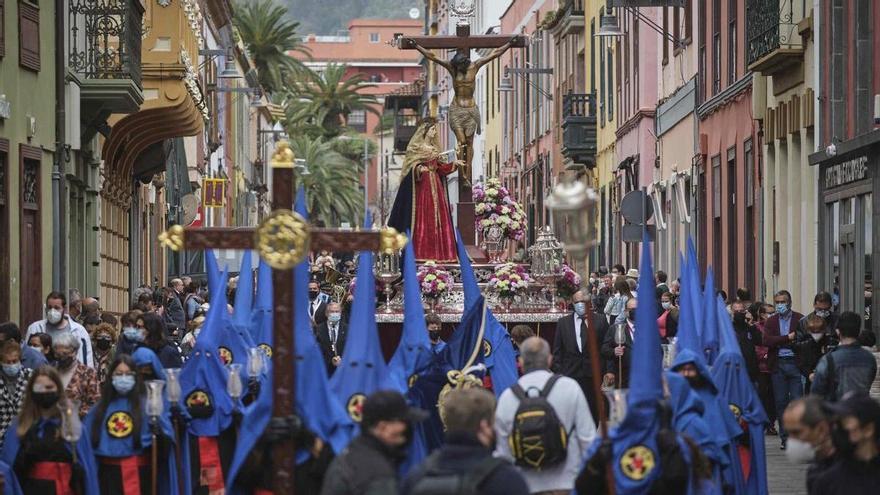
{"points": [[593, 42], [716, 47], [702, 55], [731, 41], [374, 37], [751, 241], [716, 215], [4, 227], [676, 26], [610, 84], [732, 221], [29, 36], [688, 20], [603, 105]]}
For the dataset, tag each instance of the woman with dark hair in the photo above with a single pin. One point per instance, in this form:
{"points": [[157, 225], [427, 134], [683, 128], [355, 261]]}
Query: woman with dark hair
{"points": [[121, 435], [157, 341], [422, 206], [35, 446]]}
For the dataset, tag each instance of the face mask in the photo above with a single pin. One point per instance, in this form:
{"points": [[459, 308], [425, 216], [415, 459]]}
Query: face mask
{"points": [[739, 319], [817, 336], [666, 305], [601, 284], [313, 294], [799, 452], [580, 308], [53, 316], [434, 334], [45, 400], [334, 317], [823, 313], [842, 443], [12, 370], [631, 315], [132, 334], [782, 308], [103, 344], [64, 363], [592, 280], [123, 384]]}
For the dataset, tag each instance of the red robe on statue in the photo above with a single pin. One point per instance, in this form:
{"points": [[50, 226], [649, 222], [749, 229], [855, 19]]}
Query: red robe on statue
{"points": [[433, 236]]}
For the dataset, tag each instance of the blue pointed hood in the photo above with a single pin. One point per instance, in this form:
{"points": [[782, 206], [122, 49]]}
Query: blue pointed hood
{"points": [[647, 357], [709, 328], [413, 355], [203, 376], [212, 271], [498, 352], [693, 276], [261, 316], [244, 293], [145, 356], [363, 369]]}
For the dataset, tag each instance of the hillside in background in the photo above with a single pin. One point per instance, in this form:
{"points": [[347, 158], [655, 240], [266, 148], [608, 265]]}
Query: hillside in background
{"points": [[328, 17]]}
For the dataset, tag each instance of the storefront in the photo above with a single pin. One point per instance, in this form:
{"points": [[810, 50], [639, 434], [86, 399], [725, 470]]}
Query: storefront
{"points": [[848, 221]]}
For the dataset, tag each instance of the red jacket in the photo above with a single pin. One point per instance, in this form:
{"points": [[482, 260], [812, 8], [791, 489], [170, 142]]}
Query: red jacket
{"points": [[774, 341]]}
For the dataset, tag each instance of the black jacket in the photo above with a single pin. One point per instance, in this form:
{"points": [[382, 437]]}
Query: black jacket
{"points": [[322, 333], [848, 477], [365, 467], [568, 359], [461, 453], [612, 363], [748, 336]]}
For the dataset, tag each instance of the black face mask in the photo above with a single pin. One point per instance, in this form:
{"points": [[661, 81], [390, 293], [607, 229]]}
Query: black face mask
{"points": [[434, 334], [313, 294], [64, 363], [631, 315], [739, 319], [842, 443], [103, 344], [696, 381], [45, 400]]}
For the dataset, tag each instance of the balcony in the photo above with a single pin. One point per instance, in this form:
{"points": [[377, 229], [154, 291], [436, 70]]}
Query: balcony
{"points": [[567, 19], [105, 55], [774, 36], [579, 128], [405, 104]]}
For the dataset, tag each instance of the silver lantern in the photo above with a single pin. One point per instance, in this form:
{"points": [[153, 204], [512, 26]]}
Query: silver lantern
{"points": [[387, 270], [546, 256], [572, 208]]}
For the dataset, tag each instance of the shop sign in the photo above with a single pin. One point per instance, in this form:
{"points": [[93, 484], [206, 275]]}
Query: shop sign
{"points": [[213, 193], [845, 172]]}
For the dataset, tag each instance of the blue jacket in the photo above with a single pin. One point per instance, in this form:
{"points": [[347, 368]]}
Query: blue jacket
{"points": [[854, 371]]}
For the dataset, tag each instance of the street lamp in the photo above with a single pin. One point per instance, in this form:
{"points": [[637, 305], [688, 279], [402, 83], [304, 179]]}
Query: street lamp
{"points": [[572, 208]]}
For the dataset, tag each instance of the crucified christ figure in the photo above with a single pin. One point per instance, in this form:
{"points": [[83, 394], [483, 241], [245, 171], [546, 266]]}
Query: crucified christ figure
{"points": [[464, 116]]}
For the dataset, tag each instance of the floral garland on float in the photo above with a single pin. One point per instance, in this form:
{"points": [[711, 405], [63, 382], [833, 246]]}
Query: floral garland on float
{"points": [[434, 281], [509, 280], [568, 283], [498, 217]]}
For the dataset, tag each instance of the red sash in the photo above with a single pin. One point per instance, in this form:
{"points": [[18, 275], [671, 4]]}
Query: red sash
{"points": [[210, 469], [129, 467], [59, 472]]}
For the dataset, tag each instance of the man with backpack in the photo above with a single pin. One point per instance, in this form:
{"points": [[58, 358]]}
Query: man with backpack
{"points": [[464, 464], [543, 423]]}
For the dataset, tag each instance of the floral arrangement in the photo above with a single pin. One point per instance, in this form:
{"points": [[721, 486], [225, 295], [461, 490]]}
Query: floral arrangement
{"points": [[569, 283], [509, 279], [496, 207], [433, 280]]}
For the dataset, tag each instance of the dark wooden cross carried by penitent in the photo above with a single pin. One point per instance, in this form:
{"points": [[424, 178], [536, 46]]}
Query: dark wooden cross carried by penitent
{"points": [[282, 239], [463, 82]]}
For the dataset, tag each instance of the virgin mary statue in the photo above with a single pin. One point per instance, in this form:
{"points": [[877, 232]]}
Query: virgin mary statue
{"points": [[422, 206]]}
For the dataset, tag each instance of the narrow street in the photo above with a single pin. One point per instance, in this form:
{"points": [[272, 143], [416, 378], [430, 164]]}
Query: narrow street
{"points": [[783, 477]]}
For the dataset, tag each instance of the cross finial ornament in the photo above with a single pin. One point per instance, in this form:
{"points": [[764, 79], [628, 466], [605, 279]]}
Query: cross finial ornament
{"points": [[463, 10]]}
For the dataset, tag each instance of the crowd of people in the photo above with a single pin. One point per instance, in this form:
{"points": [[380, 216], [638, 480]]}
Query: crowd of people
{"points": [[813, 374]]}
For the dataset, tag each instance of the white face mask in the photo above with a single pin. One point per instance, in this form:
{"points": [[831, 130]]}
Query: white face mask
{"points": [[54, 316], [799, 452], [817, 336]]}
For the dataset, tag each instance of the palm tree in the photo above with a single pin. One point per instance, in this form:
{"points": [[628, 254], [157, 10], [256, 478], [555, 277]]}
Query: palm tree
{"points": [[332, 185], [327, 99], [269, 38]]}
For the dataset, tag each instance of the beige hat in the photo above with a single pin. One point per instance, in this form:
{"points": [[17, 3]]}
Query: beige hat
{"points": [[632, 273]]}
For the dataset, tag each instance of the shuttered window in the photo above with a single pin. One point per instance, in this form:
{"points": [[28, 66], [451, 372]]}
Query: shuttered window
{"points": [[29, 35], [2, 28]]}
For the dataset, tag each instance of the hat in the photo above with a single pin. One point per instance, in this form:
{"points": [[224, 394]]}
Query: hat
{"points": [[862, 407], [632, 273], [387, 405]]}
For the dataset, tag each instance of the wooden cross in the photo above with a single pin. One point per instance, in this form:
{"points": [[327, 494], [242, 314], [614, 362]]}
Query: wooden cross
{"points": [[462, 42], [283, 239]]}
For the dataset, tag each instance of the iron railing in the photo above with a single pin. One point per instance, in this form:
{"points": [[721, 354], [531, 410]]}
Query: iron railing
{"points": [[578, 105], [105, 39], [770, 25]]}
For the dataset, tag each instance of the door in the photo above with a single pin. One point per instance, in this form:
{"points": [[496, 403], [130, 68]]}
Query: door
{"points": [[31, 295], [4, 229], [854, 246]]}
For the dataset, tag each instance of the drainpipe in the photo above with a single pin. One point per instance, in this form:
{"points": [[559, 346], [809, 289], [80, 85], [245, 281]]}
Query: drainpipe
{"points": [[59, 278]]}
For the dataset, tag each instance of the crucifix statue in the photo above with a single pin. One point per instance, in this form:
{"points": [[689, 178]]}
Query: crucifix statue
{"points": [[464, 116], [282, 239]]}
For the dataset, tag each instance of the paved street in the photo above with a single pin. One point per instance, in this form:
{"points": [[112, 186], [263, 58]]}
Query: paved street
{"points": [[784, 477]]}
